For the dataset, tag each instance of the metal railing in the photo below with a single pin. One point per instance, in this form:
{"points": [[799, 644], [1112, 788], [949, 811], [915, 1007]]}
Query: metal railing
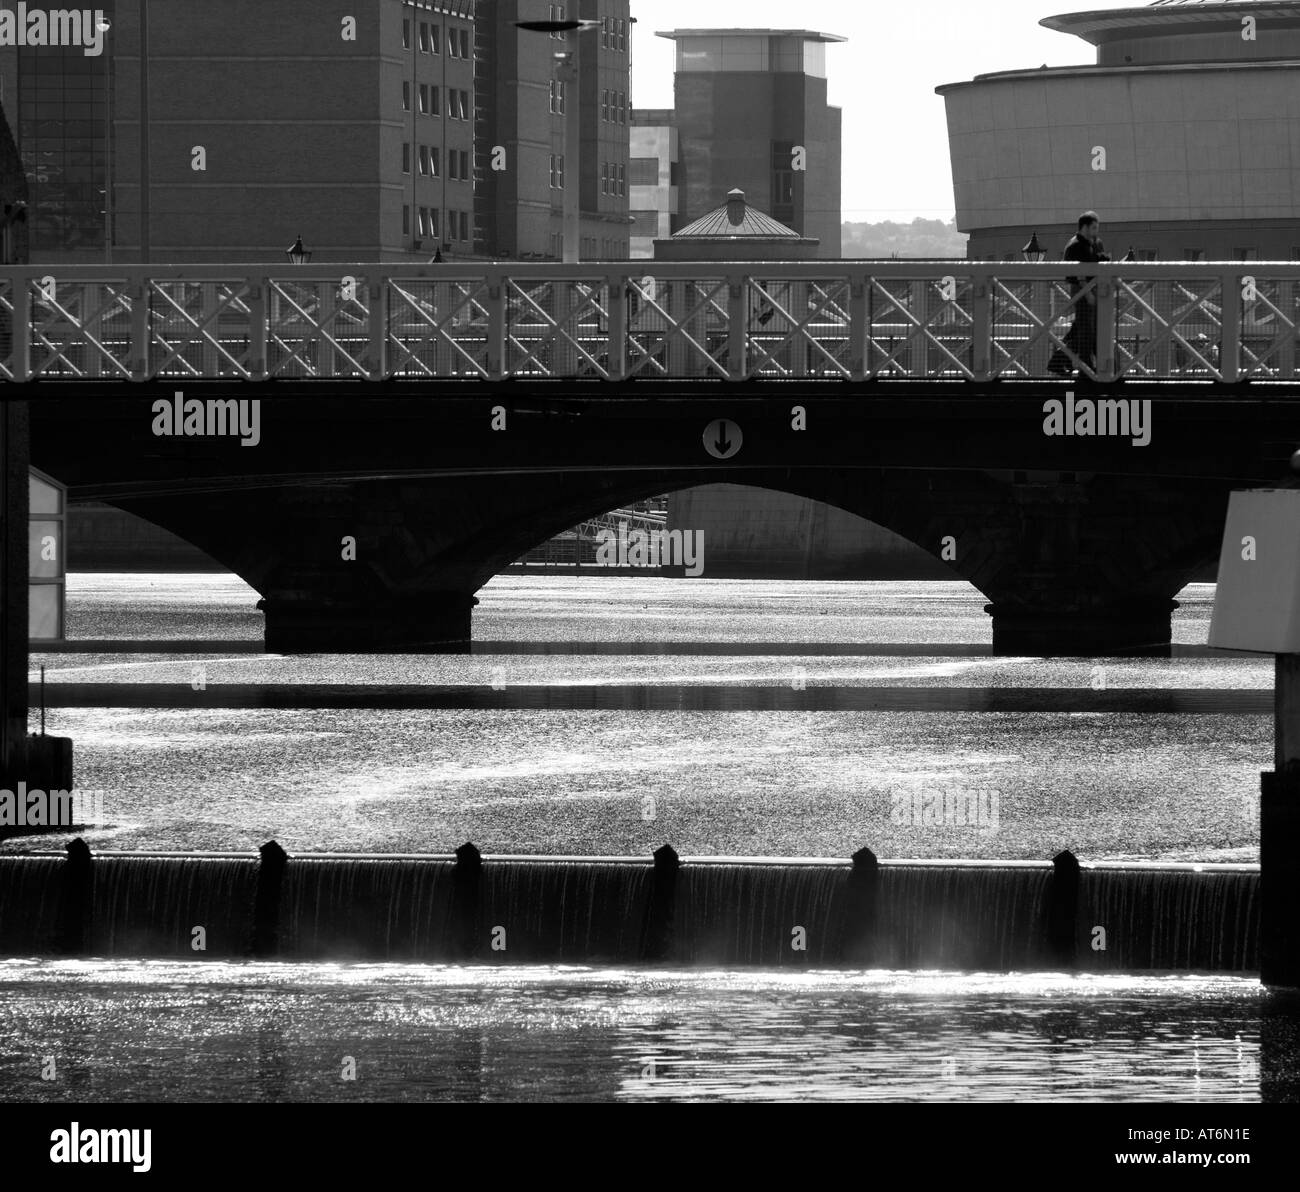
{"points": [[833, 320]]}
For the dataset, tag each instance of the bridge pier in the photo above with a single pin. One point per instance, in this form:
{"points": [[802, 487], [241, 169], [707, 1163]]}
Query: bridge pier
{"points": [[1061, 629], [309, 622]]}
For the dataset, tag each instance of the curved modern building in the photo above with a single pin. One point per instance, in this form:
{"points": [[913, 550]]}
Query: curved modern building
{"points": [[1184, 137]]}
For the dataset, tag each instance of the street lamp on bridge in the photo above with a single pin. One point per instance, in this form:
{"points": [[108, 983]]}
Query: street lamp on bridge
{"points": [[1034, 252], [297, 254]]}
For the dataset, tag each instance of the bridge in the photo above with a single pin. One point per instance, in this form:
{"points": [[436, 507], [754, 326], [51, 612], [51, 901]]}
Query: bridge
{"points": [[958, 321], [420, 429]]}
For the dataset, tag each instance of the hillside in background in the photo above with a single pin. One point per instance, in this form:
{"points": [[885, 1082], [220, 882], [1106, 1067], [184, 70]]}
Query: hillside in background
{"points": [[920, 238]]}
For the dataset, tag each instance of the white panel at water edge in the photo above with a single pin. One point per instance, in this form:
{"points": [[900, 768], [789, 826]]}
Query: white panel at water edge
{"points": [[1257, 605]]}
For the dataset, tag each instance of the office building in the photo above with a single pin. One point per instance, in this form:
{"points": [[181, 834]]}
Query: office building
{"points": [[1184, 136], [371, 133], [751, 112], [653, 180]]}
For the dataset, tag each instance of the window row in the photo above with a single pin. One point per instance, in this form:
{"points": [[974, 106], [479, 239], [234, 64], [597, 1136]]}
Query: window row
{"points": [[557, 171], [613, 178], [429, 158], [429, 38], [458, 102], [428, 222], [614, 107], [558, 97], [613, 34]]}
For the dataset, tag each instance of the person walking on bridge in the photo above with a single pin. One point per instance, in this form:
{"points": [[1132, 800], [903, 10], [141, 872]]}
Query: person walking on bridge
{"points": [[1087, 248]]}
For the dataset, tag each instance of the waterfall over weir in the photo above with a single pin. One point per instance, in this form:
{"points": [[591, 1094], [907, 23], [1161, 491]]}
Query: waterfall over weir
{"points": [[1010, 916]]}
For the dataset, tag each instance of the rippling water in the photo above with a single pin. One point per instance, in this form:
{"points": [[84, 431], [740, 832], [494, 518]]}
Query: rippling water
{"points": [[271, 1032], [713, 772]]}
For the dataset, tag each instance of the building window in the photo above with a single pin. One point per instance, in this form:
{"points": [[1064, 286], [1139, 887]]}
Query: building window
{"points": [[433, 223], [406, 35], [458, 104], [557, 14], [458, 42], [1147, 254], [604, 33], [1245, 254], [464, 165], [424, 99], [622, 107], [557, 171], [1295, 253], [424, 222], [557, 97], [1193, 254], [424, 37], [406, 97], [406, 159], [645, 171], [622, 36], [783, 181], [464, 51], [458, 165], [604, 177], [604, 105], [424, 159], [622, 181], [406, 220], [645, 223], [464, 225]]}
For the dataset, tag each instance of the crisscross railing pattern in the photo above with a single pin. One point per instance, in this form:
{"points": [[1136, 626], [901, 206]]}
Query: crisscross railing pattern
{"points": [[728, 321]]}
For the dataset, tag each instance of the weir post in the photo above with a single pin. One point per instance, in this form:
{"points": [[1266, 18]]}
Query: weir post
{"points": [[75, 901], [862, 889], [662, 907], [466, 889], [266, 907], [1279, 836], [1063, 910]]}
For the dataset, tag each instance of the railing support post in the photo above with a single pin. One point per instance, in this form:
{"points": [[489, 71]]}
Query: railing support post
{"points": [[257, 327], [495, 360], [982, 328], [1230, 349], [140, 328], [616, 349], [376, 363], [859, 325], [1107, 330], [737, 327], [22, 340]]}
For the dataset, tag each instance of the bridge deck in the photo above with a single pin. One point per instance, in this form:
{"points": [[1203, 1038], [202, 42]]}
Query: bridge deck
{"points": [[958, 321]]}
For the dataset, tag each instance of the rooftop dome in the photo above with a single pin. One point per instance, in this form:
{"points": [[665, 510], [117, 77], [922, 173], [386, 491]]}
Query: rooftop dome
{"points": [[736, 218]]}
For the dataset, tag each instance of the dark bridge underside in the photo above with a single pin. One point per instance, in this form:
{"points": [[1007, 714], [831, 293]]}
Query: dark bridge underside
{"points": [[1080, 543]]}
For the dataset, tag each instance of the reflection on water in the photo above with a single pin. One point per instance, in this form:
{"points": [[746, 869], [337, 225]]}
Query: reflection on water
{"points": [[737, 753], [132, 1031]]}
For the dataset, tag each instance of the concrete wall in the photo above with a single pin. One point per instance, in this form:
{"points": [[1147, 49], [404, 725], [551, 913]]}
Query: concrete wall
{"points": [[760, 534], [1187, 148]]}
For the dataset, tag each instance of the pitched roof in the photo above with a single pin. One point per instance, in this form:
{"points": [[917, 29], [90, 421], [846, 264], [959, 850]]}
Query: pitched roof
{"points": [[720, 223]]}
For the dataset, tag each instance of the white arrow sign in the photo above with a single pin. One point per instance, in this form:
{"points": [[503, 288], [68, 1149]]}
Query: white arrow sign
{"points": [[723, 439]]}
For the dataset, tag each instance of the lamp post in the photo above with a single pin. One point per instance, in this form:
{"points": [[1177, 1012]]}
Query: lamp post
{"points": [[569, 71], [104, 25], [1129, 257], [1034, 252], [297, 254]]}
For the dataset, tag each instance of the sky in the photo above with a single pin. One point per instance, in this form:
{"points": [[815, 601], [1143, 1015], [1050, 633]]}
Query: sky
{"points": [[896, 163]]}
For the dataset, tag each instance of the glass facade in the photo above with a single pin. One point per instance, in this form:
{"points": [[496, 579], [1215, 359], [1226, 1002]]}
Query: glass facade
{"points": [[63, 136]]}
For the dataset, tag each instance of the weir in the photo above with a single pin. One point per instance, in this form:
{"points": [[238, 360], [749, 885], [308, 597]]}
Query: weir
{"points": [[801, 913]]}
